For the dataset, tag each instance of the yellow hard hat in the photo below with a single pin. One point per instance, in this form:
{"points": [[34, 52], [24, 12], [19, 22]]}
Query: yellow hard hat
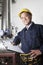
{"points": [[24, 10]]}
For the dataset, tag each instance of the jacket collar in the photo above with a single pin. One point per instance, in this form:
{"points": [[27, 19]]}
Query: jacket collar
{"points": [[30, 27]]}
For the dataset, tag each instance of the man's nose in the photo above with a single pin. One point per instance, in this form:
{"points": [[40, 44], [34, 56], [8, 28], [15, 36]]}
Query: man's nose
{"points": [[24, 19]]}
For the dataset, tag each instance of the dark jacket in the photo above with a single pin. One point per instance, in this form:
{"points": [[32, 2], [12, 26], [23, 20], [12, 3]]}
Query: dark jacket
{"points": [[30, 39]]}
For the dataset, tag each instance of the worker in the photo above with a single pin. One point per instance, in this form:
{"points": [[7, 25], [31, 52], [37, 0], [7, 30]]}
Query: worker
{"points": [[31, 36]]}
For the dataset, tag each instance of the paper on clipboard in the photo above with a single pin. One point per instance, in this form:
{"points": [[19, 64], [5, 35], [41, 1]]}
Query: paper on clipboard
{"points": [[15, 48], [10, 47]]}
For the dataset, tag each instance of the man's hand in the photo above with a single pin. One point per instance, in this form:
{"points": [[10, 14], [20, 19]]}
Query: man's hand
{"points": [[35, 53], [12, 43]]}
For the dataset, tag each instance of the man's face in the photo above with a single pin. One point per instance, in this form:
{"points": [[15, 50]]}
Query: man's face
{"points": [[26, 18]]}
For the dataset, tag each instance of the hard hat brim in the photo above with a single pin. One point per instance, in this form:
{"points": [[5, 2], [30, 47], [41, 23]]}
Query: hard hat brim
{"points": [[24, 10]]}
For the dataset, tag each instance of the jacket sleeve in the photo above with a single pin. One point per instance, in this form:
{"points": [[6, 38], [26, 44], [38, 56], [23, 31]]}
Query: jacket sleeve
{"points": [[17, 39], [41, 37]]}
